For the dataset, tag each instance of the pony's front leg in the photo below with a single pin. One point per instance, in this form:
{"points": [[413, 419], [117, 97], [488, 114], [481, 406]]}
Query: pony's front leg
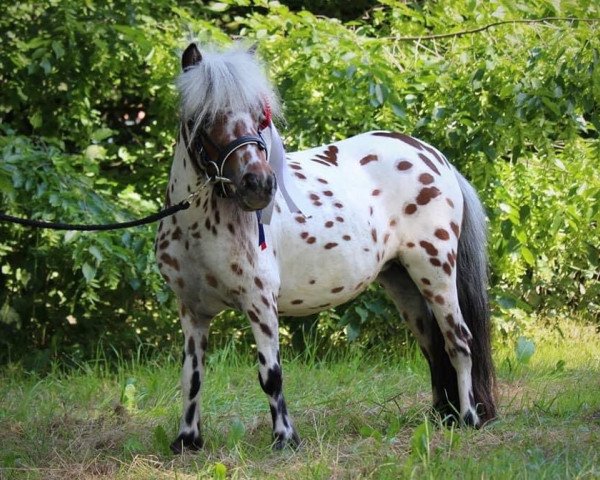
{"points": [[265, 327], [195, 331]]}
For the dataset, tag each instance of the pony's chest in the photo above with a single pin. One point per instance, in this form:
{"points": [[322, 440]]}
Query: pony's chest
{"points": [[210, 257]]}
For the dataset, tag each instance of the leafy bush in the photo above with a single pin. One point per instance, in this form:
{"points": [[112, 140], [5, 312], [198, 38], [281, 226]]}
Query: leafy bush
{"points": [[89, 116]]}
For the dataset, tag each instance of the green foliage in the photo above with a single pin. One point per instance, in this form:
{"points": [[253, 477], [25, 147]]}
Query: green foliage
{"points": [[88, 112]]}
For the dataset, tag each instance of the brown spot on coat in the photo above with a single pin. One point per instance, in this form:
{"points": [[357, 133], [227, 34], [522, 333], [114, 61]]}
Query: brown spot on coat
{"points": [[211, 280], [258, 282], [266, 330], [328, 224], [329, 155], [375, 192], [311, 240], [450, 202], [330, 245], [300, 219], [450, 259], [300, 175], [176, 234], [169, 260], [425, 281], [337, 289], [427, 161], [442, 234], [410, 209], [374, 235], [426, 178], [429, 248], [413, 142], [404, 165], [237, 269], [447, 268], [298, 301], [191, 346], [439, 299], [455, 228], [347, 238], [427, 194], [328, 193], [368, 159], [435, 262]]}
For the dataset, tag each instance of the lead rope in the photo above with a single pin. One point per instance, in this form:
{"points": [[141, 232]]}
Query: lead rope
{"points": [[183, 205]]}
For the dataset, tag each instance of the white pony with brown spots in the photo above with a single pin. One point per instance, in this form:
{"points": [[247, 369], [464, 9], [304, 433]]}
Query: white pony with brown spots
{"points": [[380, 206]]}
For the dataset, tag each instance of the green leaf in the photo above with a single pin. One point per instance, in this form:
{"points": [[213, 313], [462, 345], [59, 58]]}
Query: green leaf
{"points": [[528, 256], [95, 251], [420, 439], [220, 471], [218, 7], [89, 272], [524, 350], [36, 120], [102, 134]]}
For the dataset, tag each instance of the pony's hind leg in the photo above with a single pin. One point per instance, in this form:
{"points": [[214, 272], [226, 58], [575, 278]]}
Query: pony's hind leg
{"points": [[438, 286], [195, 331], [412, 306], [265, 327]]}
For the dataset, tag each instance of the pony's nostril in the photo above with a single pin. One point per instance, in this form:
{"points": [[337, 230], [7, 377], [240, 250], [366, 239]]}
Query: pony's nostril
{"points": [[270, 184], [250, 182]]}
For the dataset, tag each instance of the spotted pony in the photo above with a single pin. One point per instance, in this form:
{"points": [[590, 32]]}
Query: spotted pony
{"points": [[379, 207]]}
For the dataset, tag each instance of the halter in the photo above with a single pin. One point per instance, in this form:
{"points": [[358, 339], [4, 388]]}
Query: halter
{"points": [[202, 162]]}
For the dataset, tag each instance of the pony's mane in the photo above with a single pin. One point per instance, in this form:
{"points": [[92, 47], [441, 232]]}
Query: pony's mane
{"points": [[225, 80]]}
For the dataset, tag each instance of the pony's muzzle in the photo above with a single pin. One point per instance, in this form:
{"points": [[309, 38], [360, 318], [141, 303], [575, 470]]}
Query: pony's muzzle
{"points": [[256, 190]]}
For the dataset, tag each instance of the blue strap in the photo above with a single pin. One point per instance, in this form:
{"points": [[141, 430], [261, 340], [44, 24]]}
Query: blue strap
{"points": [[261, 231]]}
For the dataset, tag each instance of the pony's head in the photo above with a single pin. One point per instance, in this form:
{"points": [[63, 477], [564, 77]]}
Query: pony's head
{"points": [[226, 101]]}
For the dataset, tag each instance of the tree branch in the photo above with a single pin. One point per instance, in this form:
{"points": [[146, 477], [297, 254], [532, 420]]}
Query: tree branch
{"points": [[488, 26]]}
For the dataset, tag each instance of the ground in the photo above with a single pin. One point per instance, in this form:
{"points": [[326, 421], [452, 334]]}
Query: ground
{"points": [[361, 415]]}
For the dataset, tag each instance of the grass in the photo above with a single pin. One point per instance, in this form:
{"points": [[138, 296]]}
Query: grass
{"points": [[360, 416]]}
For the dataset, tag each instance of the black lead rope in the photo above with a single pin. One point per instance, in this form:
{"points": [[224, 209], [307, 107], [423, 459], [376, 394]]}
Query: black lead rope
{"points": [[183, 205]]}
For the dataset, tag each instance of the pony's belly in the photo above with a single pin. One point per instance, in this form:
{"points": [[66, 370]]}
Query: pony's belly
{"points": [[311, 284]]}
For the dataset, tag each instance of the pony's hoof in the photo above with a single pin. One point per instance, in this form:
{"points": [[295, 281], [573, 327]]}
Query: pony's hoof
{"points": [[186, 441], [471, 420], [280, 441]]}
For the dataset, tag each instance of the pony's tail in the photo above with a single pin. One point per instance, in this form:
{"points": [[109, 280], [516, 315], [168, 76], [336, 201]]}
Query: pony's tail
{"points": [[472, 281]]}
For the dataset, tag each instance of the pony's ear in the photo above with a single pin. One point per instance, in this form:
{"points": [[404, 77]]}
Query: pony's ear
{"points": [[253, 48], [191, 56]]}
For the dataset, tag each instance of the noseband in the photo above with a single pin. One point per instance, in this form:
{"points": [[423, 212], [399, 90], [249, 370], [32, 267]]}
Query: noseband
{"points": [[213, 170]]}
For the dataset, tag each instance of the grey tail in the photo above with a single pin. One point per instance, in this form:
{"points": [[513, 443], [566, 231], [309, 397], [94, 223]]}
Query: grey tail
{"points": [[472, 282]]}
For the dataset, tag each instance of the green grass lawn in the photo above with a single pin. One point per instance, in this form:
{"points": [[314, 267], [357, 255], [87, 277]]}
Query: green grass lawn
{"points": [[360, 416]]}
